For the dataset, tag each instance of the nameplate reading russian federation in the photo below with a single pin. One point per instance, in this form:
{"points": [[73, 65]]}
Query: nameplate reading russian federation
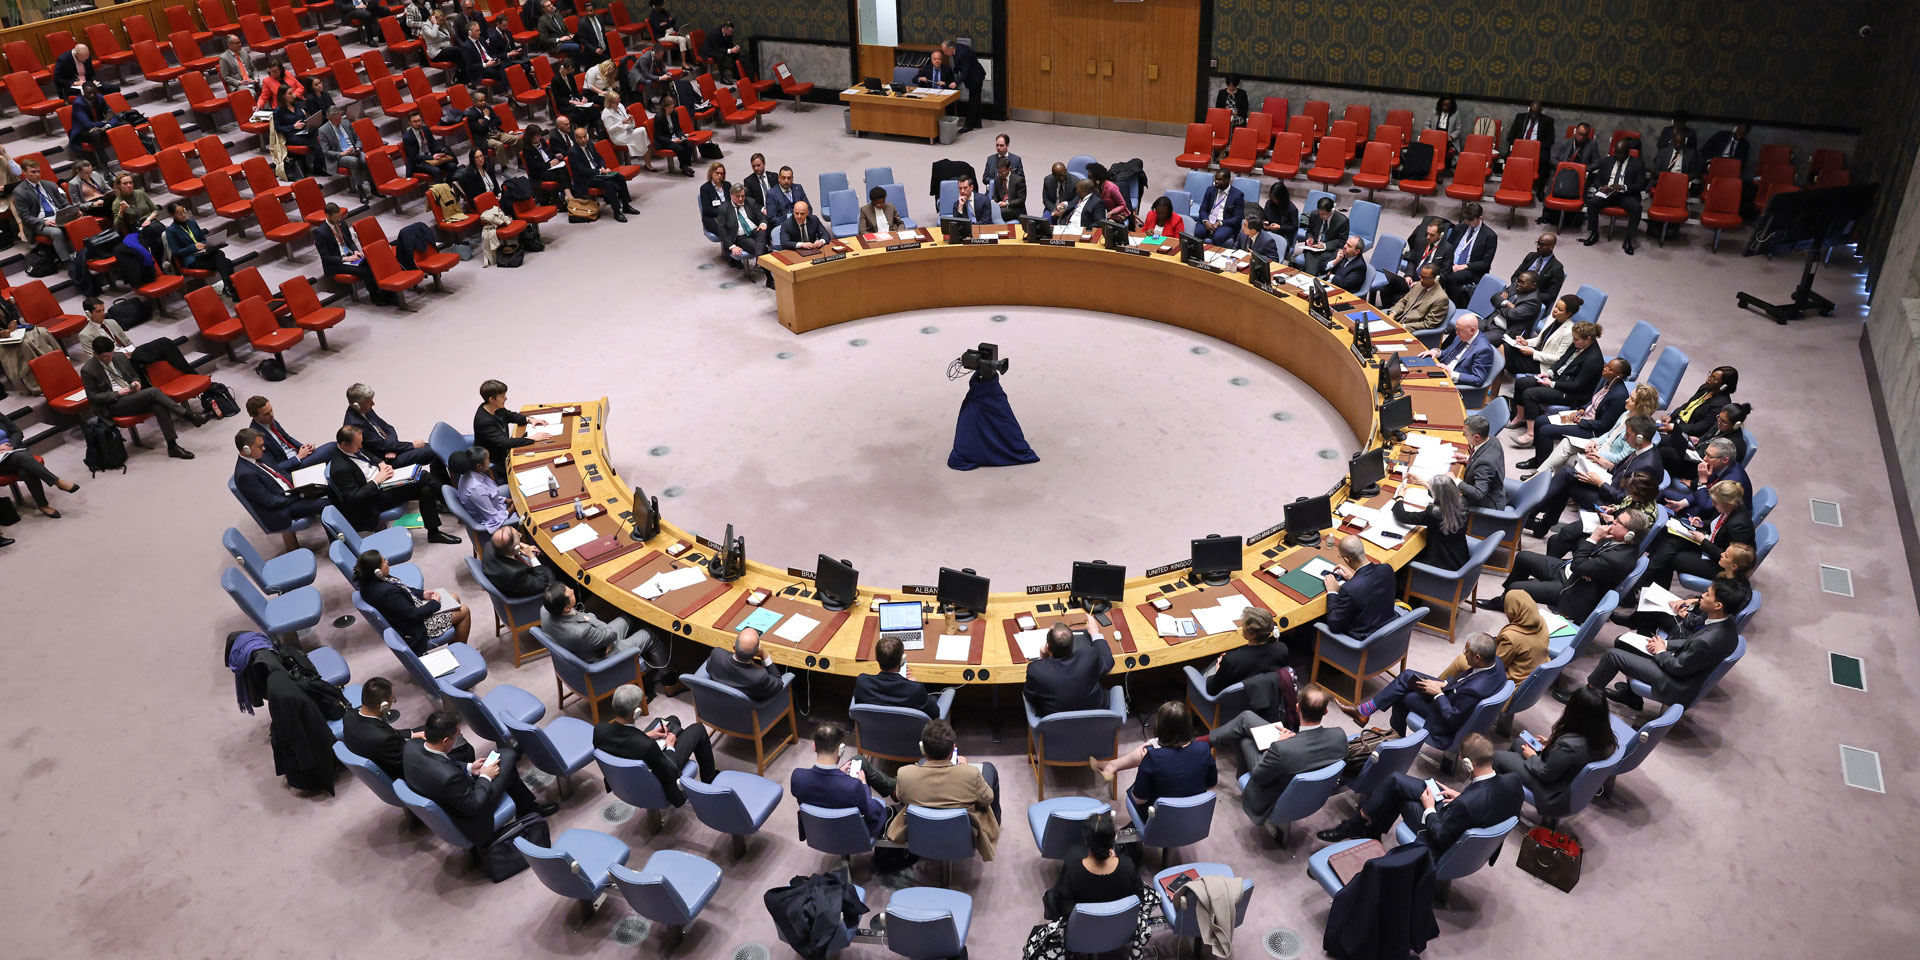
{"points": [[1048, 588], [1169, 568], [920, 590]]}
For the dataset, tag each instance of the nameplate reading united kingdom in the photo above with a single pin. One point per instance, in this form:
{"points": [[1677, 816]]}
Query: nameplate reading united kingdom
{"points": [[1171, 567], [1268, 532]]}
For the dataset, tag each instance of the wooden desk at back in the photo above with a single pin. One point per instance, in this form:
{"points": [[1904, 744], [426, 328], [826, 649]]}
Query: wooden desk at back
{"points": [[910, 115], [878, 281]]}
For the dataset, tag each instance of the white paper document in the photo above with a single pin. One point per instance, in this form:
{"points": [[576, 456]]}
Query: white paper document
{"points": [[1214, 620], [1265, 735], [534, 481], [440, 662], [1555, 622], [1382, 326], [1394, 347], [549, 422], [1030, 642], [1656, 599], [1235, 604], [1589, 519], [574, 537], [1635, 641], [795, 628], [1418, 498], [1420, 440], [954, 648], [1317, 567], [314, 476], [1174, 626], [403, 476]]}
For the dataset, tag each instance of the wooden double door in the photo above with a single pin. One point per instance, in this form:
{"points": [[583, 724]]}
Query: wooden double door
{"points": [[1099, 58]]}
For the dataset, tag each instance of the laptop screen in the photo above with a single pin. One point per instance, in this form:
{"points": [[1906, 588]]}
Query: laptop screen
{"points": [[897, 617]]}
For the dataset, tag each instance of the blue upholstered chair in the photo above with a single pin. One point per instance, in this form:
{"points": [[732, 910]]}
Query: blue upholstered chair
{"points": [[1496, 411], [592, 682], [831, 183], [1182, 202], [1745, 617], [897, 195], [487, 715], [700, 208], [1072, 737], [1587, 784], [515, 614], [879, 177], [1475, 849], [1176, 822], [445, 440], [295, 568], [578, 866], [1303, 797], [893, 733], [394, 543], [560, 748], [1481, 302], [343, 561], [377, 622], [1363, 221], [1385, 260], [280, 616], [1078, 166], [1445, 590], [734, 803], [1667, 371], [1388, 758], [1504, 524], [288, 534], [331, 666], [1638, 345], [1359, 659], [1060, 823], [376, 780], [943, 835], [835, 831], [1535, 686], [730, 712], [949, 196], [470, 668], [1097, 929], [1212, 710], [1196, 187], [1479, 721], [670, 889], [844, 207], [1746, 460], [1579, 640], [1765, 537], [1764, 499], [436, 819], [928, 923], [1593, 302], [1473, 397], [632, 782], [476, 534], [1713, 677], [1182, 920]]}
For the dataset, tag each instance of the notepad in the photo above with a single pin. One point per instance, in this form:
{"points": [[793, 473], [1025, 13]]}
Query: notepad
{"points": [[1656, 599], [1175, 626], [1030, 641], [1557, 624], [1636, 641], [1265, 735], [440, 662], [1418, 498], [574, 537], [760, 620], [1679, 529], [954, 648], [1304, 583], [796, 628], [534, 481], [1589, 520], [1317, 567], [314, 476], [1214, 620], [402, 476]]}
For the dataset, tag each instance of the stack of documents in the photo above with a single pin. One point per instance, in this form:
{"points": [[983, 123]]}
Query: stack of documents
{"points": [[1030, 642], [954, 648], [759, 620], [1417, 498], [1557, 625], [534, 481], [1301, 281], [1165, 625], [796, 628], [574, 537], [439, 661], [1656, 599], [1216, 619], [661, 583]]}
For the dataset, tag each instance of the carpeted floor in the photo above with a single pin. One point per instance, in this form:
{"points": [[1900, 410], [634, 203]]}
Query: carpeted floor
{"points": [[145, 819]]}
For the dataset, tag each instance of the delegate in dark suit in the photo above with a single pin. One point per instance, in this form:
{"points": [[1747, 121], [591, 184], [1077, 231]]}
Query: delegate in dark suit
{"points": [[382, 442], [1263, 244], [966, 67], [1528, 126], [1615, 182], [667, 135], [1474, 245], [1470, 360], [1242, 662], [1676, 673], [361, 500], [378, 741], [335, 243], [590, 171], [1483, 485], [1603, 409], [269, 492], [108, 401], [470, 801], [1364, 603], [1573, 588], [494, 431], [1269, 772], [628, 742], [1564, 488], [756, 680], [1228, 215], [421, 147], [1552, 274], [837, 789], [1349, 274], [1330, 232], [1572, 379], [980, 210], [1513, 311], [1443, 714], [1482, 803], [780, 201], [513, 576], [1726, 143], [1010, 195], [1548, 774], [283, 451], [1058, 190], [746, 236], [793, 233], [1092, 211], [890, 689], [1672, 554], [1055, 684]]}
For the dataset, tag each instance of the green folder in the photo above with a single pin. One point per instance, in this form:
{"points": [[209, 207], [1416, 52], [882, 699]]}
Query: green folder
{"points": [[1304, 583], [761, 620]]}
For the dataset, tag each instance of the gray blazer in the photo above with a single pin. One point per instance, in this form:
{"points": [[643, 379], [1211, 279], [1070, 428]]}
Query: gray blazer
{"points": [[230, 73], [1484, 484], [579, 633], [1305, 752]]}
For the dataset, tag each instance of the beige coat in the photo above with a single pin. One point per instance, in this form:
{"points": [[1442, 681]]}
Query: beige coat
{"points": [[1423, 308], [943, 785], [870, 224]]}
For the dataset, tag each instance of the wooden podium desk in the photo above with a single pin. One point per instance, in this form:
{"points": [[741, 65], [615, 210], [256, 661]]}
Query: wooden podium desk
{"points": [[870, 280], [911, 115]]}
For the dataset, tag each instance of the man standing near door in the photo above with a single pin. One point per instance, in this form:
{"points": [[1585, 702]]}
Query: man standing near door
{"points": [[967, 69]]}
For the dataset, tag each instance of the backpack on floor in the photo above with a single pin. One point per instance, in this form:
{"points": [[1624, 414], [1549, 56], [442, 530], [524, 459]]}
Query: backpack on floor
{"points": [[106, 450], [498, 857], [217, 401], [509, 254], [131, 312], [271, 369], [41, 262]]}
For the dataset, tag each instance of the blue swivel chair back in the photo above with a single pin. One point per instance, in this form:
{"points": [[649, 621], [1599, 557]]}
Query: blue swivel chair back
{"points": [[343, 560], [594, 681], [579, 864], [560, 748], [944, 835], [1522, 499], [1361, 658], [700, 208], [1592, 302], [773, 242], [1390, 757], [1586, 785], [1588, 627], [837, 831], [460, 512], [1498, 405], [1642, 741], [904, 75], [890, 733], [1764, 500], [1765, 536], [287, 532], [290, 612], [1713, 676], [830, 183], [1385, 258], [879, 177], [1479, 721], [436, 819], [247, 597], [1060, 823], [1667, 372], [928, 923], [1070, 737], [294, 568], [633, 782], [1196, 186], [1434, 336], [730, 712], [1448, 589], [1746, 459], [518, 613], [395, 545], [1101, 928], [472, 668], [1481, 303], [491, 715], [1078, 166], [897, 195], [1176, 821], [1469, 853], [374, 618], [734, 803], [1182, 918], [949, 196], [1250, 194], [1363, 220], [369, 773], [844, 206], [1538, 682], [671, 889], [1213, 709], [445, 440], [1304, 796], [1638, 345], [1746, 616]]}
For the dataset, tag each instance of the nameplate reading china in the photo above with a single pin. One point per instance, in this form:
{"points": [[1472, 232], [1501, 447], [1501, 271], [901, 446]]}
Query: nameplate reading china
{"points": [[1169, 568], [915, 245], [920, 590], [1049, 588]]}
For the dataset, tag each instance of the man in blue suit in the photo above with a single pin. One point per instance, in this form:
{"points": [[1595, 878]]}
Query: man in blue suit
{"points": [[340, 255], [268, 489], [971, 205], [835, 785], [783, 196], [1716, 464], [284, 453], [1221, 210], [1488, 798], [1442, 704], [1587, 490], [1254, 236], [891, 687], [967, 70], [1467, 354], [1474, 244], [1359, 591]]}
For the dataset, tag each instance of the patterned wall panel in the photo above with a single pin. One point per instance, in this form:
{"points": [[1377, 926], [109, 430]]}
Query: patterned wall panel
{"points": [[931, 21], [1785, 61], [800, 19], [1890, 141]]}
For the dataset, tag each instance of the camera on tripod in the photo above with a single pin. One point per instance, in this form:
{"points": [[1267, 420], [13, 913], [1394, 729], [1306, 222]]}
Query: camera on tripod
{"points": [[985, 361]]}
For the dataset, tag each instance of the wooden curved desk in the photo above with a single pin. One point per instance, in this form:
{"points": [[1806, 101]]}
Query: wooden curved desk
{"points": [[871, 280]]}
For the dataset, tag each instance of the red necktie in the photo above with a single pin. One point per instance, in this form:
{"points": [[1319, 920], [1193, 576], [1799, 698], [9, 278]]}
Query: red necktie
{"points": [[277, 475]]}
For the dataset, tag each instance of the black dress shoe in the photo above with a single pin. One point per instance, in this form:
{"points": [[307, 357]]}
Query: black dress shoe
{"points": [[546, 809], [1493, 603], [1531, 463], [629, 210], [1621, 694], [1590, 239], [6, 541], [619, 217], [1346, 830], [1628, 247], [436, 536], [178, 452], [1564, 696], [50, 514]]}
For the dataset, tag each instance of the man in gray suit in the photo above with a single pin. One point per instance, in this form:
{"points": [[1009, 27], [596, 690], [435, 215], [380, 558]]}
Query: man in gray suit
{"points": [[1516, 308], [1675, 668], [341, 148], [35, 201], [236, 72], [1293, 754], [1484, 484], [115, 389], [587, 636]]}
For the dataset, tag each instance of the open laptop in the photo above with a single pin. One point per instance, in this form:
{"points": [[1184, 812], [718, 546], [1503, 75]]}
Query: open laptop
{"points": [[903, 620]]}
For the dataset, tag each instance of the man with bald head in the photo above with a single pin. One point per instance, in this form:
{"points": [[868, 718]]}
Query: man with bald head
{"points": [[1543, 264], [746, 667], [1517, 308], [1359, 591], [1067, 675], [513, 565], [1467, 354]]}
